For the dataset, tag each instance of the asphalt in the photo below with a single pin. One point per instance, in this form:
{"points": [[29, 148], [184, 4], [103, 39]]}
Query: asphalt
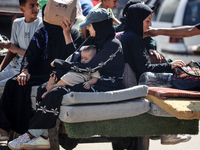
{"points": [[193, 144], [3, 146]]}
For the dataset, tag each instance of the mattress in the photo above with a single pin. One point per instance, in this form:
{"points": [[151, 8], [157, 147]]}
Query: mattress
{"points": [[105, 111], [157, 111], [74, 98]]}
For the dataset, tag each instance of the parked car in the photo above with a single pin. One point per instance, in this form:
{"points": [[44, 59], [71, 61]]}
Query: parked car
{"points": [[173, 13]]}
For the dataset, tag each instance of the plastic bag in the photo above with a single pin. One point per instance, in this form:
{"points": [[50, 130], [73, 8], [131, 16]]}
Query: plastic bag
{"points": [[156, 79]]}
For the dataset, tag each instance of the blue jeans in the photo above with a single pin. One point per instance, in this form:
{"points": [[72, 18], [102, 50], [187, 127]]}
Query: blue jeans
{"points": [[38, 132]]}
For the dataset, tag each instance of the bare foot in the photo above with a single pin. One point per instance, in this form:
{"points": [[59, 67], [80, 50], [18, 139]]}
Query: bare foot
{"points": [[52, 80], [43, 95], [49, 88]]}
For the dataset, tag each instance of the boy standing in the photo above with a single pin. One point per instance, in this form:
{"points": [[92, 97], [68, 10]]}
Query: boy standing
{"points": [[22, 31], [109, 5]]}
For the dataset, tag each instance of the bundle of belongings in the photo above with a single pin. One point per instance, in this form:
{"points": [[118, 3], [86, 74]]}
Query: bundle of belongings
{"points": [[119, 113]]}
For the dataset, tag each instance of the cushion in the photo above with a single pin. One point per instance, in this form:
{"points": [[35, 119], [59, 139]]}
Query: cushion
{"points": [[73, 98], [165, 93], [181, 108], [96, 112], [157, 111], [105, 97]]}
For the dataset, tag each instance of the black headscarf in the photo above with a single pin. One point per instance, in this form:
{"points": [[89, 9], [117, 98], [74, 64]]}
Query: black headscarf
{"points": [[129, 3], [54, 31], [104, 31], [136, 14]]}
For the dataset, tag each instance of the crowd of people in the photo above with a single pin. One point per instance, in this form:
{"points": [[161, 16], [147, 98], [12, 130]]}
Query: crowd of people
{"points": [[75, 62]]}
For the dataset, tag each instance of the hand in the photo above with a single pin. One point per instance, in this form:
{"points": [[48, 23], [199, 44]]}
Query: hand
{"points": [[53, 79], [66, 26], [1, 68], [177, 63], [23, 78], [86, 85], [14, 49], [5, 45], [151, 32], [158, 55], [2, 45], [66, 31], [52, 63]]}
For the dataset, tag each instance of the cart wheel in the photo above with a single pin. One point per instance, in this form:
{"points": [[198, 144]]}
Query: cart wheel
{"points": [[66, 142]]}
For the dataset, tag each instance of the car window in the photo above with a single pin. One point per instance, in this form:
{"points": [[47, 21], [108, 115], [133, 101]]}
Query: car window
{"points": [[169, 10], [192, 13]]}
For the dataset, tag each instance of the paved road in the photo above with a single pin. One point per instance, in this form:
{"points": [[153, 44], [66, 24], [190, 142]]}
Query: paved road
{"points": [[193, 144]]}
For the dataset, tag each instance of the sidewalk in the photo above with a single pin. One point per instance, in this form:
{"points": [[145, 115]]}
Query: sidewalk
{"points": [[3, 145]]}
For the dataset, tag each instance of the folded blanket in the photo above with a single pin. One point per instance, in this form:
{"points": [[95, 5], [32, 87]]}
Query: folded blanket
{"points": [[165, 93]]}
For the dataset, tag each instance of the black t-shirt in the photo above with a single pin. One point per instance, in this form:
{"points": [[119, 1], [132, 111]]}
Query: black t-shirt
{"points": [[197, 26]]}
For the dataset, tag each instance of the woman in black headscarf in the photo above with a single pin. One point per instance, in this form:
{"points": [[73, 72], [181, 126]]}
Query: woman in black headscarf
{"points": [[108, 61], [138, 19], [150, 44], [47, 44]]}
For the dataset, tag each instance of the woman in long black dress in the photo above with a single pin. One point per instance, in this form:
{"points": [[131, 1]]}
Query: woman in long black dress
{"points": [[138, 20], [47, 44]]}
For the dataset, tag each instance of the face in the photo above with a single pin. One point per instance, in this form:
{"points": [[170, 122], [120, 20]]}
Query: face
{"points": [[86, 56], [111, 3], [147, 23], [91, 30], [30, 10]]}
